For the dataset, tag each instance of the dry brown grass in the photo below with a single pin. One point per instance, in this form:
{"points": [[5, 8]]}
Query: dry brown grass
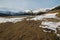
{"points": [[58, 15], [24, 30], [52, 19], [54, 11]]}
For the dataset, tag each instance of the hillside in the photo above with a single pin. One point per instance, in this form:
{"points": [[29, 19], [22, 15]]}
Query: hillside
{"points": [[56, 8], [39, 27]]}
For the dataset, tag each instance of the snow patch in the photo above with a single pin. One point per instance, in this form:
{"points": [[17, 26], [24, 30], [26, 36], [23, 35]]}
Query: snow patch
{"points": [[46, 31], [58, 35], [49, 15], [51, 25], [14, 20]]}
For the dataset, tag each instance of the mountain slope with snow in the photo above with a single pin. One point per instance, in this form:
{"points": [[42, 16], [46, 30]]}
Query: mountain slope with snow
{"points": [[39, 27]]}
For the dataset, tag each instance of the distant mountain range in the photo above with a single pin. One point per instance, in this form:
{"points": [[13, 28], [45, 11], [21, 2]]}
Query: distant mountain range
{"points": [[7, 12]]}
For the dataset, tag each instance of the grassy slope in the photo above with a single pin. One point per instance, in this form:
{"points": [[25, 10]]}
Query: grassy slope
{"points": [[24, 30], [27, 30]]}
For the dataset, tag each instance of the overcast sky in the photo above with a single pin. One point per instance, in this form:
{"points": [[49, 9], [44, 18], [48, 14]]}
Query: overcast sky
{"points": [[28, 4]]}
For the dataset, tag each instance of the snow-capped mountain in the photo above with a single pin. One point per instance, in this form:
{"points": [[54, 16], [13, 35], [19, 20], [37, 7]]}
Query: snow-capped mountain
{"points": [[28, 11], [38, 10], [41, 10], [6, 11]]}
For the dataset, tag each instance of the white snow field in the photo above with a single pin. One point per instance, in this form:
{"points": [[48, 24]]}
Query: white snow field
{"points": [[40, 17], [51, 25], [14, 20]]}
